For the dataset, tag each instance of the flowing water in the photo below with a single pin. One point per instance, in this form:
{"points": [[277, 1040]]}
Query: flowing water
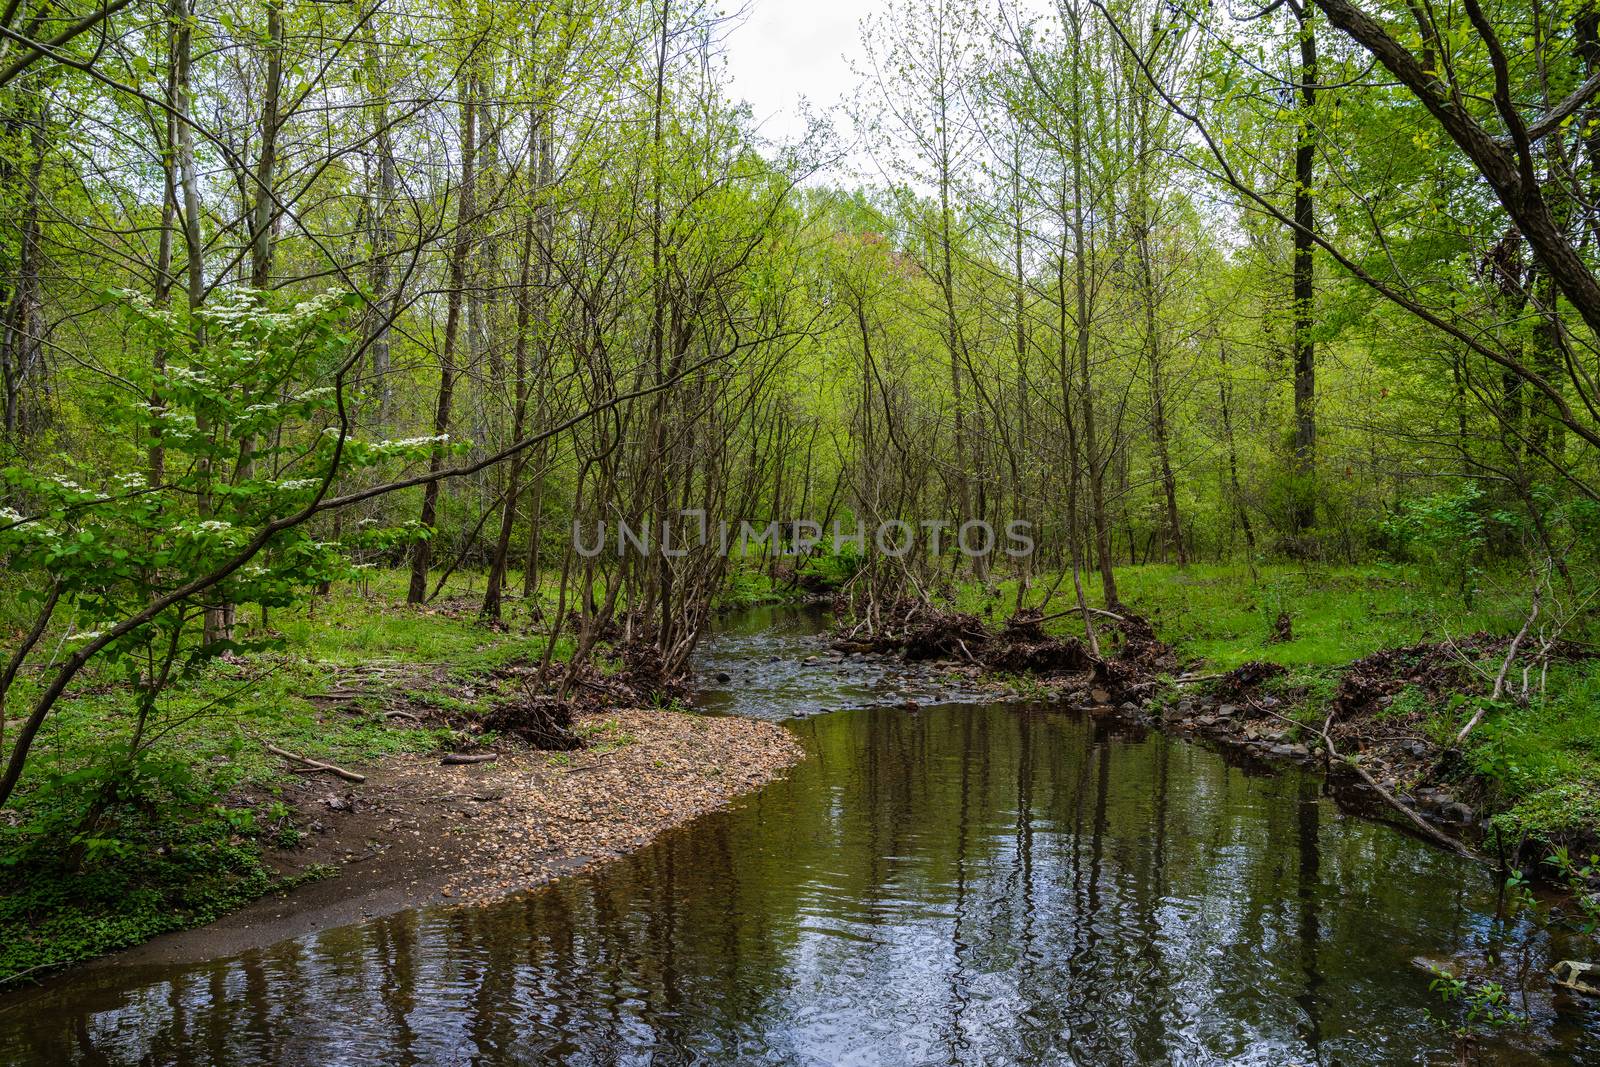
{"points": [[967, 883]]}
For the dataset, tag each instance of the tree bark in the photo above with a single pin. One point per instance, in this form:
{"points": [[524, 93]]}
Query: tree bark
{"points": [[421, 553], [1305, 352]]}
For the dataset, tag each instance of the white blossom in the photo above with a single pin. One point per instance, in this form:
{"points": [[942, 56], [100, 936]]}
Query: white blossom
{"points": [[415, 442]]}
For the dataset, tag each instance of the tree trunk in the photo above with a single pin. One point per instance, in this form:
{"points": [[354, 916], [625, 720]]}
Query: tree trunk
{"points": [[1094, 467], [421, 553], [1305, 370]]}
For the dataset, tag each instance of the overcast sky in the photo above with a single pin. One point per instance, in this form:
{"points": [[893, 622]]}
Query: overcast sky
{"points": [[786, 49]]}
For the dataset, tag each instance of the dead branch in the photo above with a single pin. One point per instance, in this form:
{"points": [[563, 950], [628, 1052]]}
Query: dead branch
{"points": [[1427, 829], [1505, 668], [313, 765], [456, 758]]}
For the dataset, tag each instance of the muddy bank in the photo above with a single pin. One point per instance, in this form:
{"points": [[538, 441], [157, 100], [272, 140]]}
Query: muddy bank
{"points": [[419, 832], [1377, 752]]}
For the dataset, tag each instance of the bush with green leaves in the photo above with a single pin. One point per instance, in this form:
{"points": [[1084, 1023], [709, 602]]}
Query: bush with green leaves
{"points": [[139, 569], [829, 569], [1473, 1007], [1450, 531]]}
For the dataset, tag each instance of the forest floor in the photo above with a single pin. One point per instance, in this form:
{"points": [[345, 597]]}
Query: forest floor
{"points": [[1400, 663], [217, 827]]}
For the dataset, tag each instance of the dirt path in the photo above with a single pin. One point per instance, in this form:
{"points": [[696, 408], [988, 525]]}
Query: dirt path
{"points": [[420, 833]]}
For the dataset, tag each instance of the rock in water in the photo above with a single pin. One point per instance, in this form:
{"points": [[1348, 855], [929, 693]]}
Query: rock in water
{"points": [[1578, 977]]}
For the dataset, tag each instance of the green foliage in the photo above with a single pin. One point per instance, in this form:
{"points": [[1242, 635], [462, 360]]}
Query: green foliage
{"points": [[128, 560], [1472, 1007], [1519, 897], [93, 869], [747, 587], [1410, 701], [828, 569], [108, 848], [1579, 877], [1447, 531], [604, 735], [233, 466], [1544, 760]]}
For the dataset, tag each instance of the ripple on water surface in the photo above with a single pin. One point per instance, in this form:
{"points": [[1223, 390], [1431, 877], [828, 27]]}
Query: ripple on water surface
{"points": [[968, 884]]}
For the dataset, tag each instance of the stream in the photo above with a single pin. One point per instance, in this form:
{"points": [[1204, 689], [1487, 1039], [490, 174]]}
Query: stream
{"points": [[971, 882]]}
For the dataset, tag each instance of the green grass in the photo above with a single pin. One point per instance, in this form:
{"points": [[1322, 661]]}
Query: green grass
{"points": [[1545, 758], [604, 735], [1221, 615], [748, 587]]}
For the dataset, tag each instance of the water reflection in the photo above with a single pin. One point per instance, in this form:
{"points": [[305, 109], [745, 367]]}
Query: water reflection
{"points": [[964, 885], [764, 664]]}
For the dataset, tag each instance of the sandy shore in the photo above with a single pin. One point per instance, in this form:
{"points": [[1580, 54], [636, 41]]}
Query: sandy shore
{"points": [[417, 832]]}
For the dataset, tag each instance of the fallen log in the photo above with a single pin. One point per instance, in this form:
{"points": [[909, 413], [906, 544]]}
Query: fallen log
{"points": [[457, 758], [314, 765]]}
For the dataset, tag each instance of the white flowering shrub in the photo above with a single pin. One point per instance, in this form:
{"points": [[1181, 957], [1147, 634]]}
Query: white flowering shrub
{"points": [[124, 565]]}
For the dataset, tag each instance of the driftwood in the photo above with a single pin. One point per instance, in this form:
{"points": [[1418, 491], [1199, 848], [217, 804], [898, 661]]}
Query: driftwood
{"points": [[314, 765], [456, 758], [1427, 829]]}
